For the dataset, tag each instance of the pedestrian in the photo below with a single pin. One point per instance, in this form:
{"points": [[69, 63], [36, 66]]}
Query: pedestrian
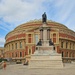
{"points": [[4, 65]]}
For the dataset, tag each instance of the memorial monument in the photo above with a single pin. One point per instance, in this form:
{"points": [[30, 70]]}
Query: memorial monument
{"points": [[45, 55]]}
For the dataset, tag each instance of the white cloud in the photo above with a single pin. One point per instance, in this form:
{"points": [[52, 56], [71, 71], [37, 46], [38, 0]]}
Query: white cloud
{"points": [[2, 41], [64, 12], [4, 26], [63, 9], [17, 10]]}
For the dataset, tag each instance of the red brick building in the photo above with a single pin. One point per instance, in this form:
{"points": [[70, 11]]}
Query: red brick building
{"points": [[20, 43]]}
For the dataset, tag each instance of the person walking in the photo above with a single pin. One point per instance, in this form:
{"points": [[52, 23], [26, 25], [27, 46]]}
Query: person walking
{"points": [[4, 65]]}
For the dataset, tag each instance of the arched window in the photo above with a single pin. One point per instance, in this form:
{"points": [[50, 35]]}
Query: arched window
{"points": [[54, 38]]}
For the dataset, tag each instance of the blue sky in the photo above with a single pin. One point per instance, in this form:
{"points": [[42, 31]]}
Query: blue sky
{"points": [[16, 12]]}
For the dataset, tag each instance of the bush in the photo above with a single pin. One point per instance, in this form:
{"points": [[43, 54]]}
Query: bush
{"points": [[1, 59]]}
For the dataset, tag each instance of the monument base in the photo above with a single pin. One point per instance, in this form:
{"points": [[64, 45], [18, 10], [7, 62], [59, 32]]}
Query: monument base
{"points": [[52, 60]]}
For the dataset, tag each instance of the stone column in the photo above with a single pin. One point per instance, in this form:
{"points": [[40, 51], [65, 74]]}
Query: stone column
{"points": [[41, 34], [48, 34], [44, 34]]}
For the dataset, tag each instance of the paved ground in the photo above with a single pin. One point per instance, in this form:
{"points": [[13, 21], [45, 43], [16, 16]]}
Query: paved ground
{"points": [[20, 69]]}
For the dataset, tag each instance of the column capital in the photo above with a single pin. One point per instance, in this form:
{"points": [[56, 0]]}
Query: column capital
{"points": [[41, 29], [48, 29]]}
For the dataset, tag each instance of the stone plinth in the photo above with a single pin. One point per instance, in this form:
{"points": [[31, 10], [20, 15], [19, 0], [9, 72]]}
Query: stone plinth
{"points": [[45, 43], [44, 48], [46, 61]]}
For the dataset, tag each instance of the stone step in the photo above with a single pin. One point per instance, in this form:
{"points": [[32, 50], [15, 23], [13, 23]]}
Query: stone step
{"points": [[50, 66], [46, 62]]}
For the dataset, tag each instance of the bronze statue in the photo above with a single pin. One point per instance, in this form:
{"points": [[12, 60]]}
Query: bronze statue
{"points": [[39, 43], [51, 43], [44, 18]]}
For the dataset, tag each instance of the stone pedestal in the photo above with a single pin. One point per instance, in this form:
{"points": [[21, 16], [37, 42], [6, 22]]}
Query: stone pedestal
{"points": [[44, 60]]}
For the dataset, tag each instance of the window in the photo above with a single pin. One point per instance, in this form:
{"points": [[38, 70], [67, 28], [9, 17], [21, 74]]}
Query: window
{"points": [[20, 54], [54, 38], [61, 44], [16, 54], [9, 47], [29, 51], [20, 44], [16, 45], [66, 44], [36, 39], [67, 54], [12, 46], [29, 35], [12, 54], [29, 38]]}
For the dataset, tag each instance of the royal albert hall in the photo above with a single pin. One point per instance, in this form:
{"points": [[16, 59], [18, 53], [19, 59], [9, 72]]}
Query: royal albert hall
{"points": [[21, 42]]}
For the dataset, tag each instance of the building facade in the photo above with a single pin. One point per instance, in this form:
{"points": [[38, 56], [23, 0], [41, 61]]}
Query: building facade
{"points": [[2, 52], [21, 42]]}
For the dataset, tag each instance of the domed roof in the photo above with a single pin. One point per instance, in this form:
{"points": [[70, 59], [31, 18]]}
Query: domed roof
{"points": [[33, 24], [38, 23]]}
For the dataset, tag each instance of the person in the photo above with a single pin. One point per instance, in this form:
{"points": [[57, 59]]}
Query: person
{"points": [[4, 65]]}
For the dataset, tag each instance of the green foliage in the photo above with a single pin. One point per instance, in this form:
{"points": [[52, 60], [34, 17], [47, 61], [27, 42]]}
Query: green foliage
{"points": [[1, 59]]}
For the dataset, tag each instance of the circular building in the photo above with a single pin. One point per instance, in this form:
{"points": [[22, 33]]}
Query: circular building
{"points": [[21, 42]]}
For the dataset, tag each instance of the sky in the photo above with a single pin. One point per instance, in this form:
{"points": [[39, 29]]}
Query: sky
{"points": [[16, 12]]}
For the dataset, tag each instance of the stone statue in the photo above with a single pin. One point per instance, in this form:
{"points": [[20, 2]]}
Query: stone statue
{"points": [[44, 17], [51, 44]]}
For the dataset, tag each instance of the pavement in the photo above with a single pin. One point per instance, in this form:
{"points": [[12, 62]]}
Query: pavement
{"points": [[20, 69]]}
